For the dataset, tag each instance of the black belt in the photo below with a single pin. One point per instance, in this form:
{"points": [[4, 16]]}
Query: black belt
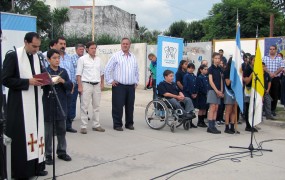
{"points": [[92, 83]]}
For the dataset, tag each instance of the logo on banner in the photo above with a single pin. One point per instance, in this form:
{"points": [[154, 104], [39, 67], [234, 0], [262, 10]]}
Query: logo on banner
{"points": [[170, 54]]}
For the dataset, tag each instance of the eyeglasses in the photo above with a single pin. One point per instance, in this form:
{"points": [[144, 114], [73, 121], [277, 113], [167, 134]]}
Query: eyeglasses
{"points": [[272, 49]]}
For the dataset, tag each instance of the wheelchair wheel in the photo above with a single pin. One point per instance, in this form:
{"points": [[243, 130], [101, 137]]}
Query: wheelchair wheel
{"points": [[156, 114], [172, 128], [171, 120], [186, 125]]}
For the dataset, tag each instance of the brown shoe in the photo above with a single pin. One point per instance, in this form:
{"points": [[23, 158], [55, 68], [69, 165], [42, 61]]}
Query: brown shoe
{"points": [[100, 129], [83, 131]]}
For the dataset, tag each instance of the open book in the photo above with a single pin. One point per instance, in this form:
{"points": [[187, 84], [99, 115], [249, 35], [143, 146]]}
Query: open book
{"points": [[46, 80]]}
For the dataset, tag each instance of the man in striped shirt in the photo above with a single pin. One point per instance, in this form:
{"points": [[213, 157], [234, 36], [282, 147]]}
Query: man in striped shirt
{"points": [[122, 72], [274, 66]]}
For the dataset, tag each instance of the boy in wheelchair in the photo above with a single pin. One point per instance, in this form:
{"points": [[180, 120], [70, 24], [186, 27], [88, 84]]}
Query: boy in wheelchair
{"points": [[169, 90]]}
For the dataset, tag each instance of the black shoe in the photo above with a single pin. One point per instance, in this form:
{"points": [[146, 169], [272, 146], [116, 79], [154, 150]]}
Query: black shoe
{"points": [[193, 114], [273, 113], [49, 160], [228, 131], [42, 173], [64, 157], [202, 124], [71, 130], [189, 116], [249, 129], [270, 117], [192, 125], [118, 128], [131, 127], [234, 131], [213, 130]]}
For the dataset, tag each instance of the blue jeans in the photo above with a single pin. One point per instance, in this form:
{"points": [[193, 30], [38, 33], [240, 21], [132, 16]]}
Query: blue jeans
{"points": [[60, 133], [71, 106], [187, 103]]}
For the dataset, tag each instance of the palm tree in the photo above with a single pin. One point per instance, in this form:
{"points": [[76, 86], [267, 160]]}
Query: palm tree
{"points": [[142, 31]]}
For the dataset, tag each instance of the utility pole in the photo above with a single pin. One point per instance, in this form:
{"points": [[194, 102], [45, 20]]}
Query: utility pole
{"points": [[93, 21], [13, 6]]}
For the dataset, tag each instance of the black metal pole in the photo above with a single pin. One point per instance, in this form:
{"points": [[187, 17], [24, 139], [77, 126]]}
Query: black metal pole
{"points": [[3, 166], [250, 147], [53, 110]]}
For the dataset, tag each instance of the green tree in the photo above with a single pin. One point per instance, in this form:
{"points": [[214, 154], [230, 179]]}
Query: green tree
{"points": [[58, 17], [43, 14], [194, 31], [142, 31], [6, 5], [151, 36], [252, 13], [176, 29]]}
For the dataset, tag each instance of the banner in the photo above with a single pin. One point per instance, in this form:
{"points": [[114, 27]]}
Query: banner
{"points": [[278, 41], [14, 27], [169, 54]]}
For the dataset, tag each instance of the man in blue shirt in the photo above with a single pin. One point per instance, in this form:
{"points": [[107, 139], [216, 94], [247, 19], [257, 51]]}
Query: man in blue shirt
{"points": [[66, 63]]}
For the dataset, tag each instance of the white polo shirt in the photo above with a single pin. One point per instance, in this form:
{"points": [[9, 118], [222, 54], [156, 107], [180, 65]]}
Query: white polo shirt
{"points": [[90, 69]]}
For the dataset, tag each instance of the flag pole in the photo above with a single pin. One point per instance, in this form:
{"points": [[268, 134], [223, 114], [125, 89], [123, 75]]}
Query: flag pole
{"points": [[256, 38], [235, 105]]}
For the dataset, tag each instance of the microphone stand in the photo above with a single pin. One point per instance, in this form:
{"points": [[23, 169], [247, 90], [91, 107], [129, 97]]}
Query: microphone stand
{"points": [[250, 147], [53, 96]]}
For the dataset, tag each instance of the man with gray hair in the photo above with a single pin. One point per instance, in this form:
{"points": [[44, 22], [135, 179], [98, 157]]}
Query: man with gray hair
{"points": [[122, 72]]}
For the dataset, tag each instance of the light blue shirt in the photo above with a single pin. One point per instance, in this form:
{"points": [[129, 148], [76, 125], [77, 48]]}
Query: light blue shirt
{"points": [[74, 59], [122, 68], [66, 63]]}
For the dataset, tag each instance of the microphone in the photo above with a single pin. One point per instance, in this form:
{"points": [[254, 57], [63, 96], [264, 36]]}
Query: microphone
{"points": [[43, 60]]}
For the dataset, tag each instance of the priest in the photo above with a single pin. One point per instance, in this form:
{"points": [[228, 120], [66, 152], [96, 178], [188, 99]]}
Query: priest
{"points": [[25, 123]]}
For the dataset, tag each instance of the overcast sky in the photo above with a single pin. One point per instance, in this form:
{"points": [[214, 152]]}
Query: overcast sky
{"points": [[158, 14]]}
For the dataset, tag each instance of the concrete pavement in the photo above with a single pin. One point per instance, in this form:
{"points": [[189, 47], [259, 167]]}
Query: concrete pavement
{"points": [[145, 153]]}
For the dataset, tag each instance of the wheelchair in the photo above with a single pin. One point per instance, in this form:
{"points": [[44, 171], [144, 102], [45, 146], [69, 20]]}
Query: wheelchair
{"points": [[159, 113]]}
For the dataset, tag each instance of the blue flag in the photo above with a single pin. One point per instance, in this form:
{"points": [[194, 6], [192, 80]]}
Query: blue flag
{"points": [[236, 71]]}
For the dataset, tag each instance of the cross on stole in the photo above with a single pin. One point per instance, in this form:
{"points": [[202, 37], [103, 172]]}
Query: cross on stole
{"points": [[42, 145], [32, 142]]}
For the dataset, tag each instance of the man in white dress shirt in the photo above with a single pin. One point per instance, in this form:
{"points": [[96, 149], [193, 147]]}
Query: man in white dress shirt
{"points": [[122, 72], [90, 79]]}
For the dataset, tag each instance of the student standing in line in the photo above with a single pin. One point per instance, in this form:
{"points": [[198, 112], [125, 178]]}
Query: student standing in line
{"points": [[189, 86], [230, 102], [215, 92], [202, 85], [182, 69]]}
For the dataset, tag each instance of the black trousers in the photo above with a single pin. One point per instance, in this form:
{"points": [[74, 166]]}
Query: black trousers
{"points": [[274, 92], [123, 95], [247, 118]]}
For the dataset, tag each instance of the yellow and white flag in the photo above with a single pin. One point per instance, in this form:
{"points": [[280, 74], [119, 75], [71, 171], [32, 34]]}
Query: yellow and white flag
{"points": [[258, 89]]}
